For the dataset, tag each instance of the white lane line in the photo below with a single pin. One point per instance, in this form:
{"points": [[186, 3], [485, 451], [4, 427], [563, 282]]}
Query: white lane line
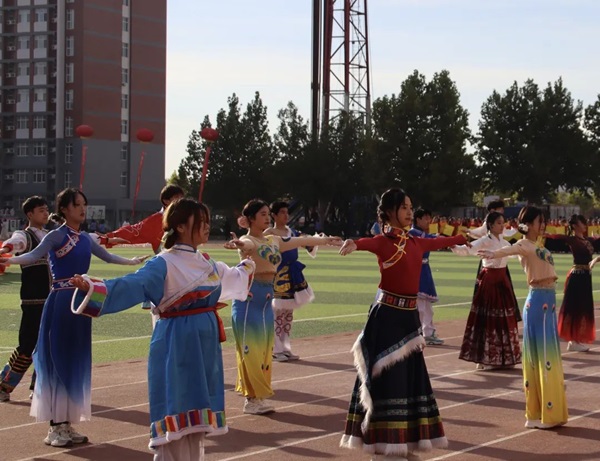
{"points": [[503, 439]]}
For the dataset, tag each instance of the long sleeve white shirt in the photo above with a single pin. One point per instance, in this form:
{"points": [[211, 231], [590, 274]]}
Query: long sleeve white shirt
{"points": [[488, 242]]}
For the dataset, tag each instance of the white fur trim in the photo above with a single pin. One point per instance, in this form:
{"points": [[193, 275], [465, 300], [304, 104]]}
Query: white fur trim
{"points": [[414, 345], [301, 298], [350, 441]]}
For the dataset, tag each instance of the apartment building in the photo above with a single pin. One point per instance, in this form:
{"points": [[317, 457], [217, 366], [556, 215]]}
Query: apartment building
{"points": [[66, 63]]}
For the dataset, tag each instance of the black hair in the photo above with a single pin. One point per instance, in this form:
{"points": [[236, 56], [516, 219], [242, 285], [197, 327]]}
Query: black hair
{"points": [[275, 207], [419, 213], [177, 213], [528, 214], [491, 219], [390, 201], [494, 204], [574, 219], [32, 203], [170, 191], [68, 197], [253, 207]]}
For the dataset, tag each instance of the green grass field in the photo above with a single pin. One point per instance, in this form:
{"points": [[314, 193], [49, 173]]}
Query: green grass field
{"points": [[344, 288]]}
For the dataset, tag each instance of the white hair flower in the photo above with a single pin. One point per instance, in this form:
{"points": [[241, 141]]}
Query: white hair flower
{"points": [[523, 228]]}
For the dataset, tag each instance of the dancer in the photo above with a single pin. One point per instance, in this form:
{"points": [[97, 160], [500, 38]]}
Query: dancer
{"points": [[427, 294], [252, 317], [62, 358], [576, 322], [393, 412], [185, 364], [149, 230], [491, 337], [543, 377], [35, 287], [291, 291]]}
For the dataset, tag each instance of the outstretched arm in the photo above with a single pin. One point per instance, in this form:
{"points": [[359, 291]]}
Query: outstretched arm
{"points": [[105, 256], [48, 243], [296, 242]]}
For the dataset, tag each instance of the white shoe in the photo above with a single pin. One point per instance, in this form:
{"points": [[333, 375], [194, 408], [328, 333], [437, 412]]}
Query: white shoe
{"points": [[537, 424], [257, 407], [76, 437], [291, 356], [434, 340], [280, 357], [58, 436], [577, 347]]}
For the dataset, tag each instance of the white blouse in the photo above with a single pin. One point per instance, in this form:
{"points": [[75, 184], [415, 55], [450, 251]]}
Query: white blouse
{"points": [[488, 242]]}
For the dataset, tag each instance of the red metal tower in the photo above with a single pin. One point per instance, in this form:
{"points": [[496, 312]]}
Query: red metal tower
{"points": [[345, 73]]}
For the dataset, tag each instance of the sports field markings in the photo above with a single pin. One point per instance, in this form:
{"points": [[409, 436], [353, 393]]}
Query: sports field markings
{"points": [[307, 440]]}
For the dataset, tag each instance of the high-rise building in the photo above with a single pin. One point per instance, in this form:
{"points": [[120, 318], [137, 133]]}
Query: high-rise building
{"points": [[66, 63]]}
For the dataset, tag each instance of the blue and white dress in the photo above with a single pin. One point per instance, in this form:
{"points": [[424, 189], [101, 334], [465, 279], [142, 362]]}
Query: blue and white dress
{"points": [[426, 285], [185, 364], [63, 356]]}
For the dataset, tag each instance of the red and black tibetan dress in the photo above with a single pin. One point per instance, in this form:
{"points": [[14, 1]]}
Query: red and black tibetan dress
{"points": [[576, 316], [393, 410]]}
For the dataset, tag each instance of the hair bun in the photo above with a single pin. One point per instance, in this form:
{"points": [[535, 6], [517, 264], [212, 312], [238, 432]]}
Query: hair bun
{"points": [[243, 222]]}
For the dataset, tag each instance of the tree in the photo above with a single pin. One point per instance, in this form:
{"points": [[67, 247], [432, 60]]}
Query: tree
{"points": [[592, 132], [531, 142], [419, 142]]}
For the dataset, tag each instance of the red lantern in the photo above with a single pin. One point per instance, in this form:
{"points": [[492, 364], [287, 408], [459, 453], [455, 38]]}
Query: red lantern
{"points": [[210, 134], [144, 135], [84, 131]]}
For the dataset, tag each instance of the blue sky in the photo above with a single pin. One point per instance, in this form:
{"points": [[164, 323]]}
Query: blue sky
{"points": [[215, 49]]}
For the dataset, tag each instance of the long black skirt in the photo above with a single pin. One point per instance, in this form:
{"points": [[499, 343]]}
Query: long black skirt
{"points": [[392, 410], [576, 317]]}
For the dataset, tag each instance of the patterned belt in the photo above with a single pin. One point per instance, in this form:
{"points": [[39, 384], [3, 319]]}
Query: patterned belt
{"points": [[62, 284], [425, 261], [581, 267], [396, 301]]}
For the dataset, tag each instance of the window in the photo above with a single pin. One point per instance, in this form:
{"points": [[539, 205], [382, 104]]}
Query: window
{"points": [[40, 42], [69, 72], [23, 96], [124, 76], [68, 179], [39, 149], [23, 43], [68, 153], [39, 95], [39, 121], [22, 122], [23, 69], [125, 50], [124, 152], [40, 68], [69, 100], [70, 46], [124, 101], [41, 15], [21, 176], [124, 127], [123, 179], [69, 126], [24, 16], [70, 19], [22, 150], [39, 176], [125, 24]]}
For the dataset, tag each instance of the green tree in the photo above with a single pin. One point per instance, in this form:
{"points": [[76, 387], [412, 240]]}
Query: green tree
{"points": [[592, 131], [419, 142], [531, 142]]}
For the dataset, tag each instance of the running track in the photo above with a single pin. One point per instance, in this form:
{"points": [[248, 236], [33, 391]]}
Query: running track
{"points": [[483, 412]]}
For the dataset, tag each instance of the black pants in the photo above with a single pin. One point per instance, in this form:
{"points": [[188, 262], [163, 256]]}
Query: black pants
{"points": [[21, 359]]}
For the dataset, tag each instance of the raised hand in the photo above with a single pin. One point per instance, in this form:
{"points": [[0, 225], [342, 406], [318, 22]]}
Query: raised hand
{"points": [[140, 259], [234, 243], [334, 241], [487, 254]]}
